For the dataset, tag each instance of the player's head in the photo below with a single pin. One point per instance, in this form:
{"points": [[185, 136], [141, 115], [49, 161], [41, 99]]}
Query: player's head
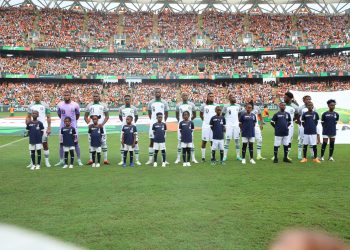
{"points": [[249, 107], [184, 97], [95, 118], [282, 106], [127, 100], [232, 98], [331, 104], [129, 119], [310, 106], [66, 96], [37, 96], [159, 117], [288, 97], [186, 115], [218, 110], [96, 97], [210, 98], [306, 99], [158, 93], [35, 115], [67, 121]]}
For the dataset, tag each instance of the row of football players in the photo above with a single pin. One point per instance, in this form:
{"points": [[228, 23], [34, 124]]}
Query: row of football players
{"points": [[247, 123]]}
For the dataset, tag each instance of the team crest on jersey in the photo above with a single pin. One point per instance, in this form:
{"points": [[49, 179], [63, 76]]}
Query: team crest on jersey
{"points": [[206, 110], [229, 112], [153, 109]]}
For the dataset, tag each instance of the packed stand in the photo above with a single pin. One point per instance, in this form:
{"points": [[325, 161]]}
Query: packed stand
{"points": [[223, 29], [177, 30], [174, 66]]}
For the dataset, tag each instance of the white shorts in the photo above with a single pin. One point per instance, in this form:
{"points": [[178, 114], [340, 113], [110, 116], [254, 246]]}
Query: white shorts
{"points": [[67, 149], [217, 144], [232, 132], [279, 140], [310, 140], [159, 146], [128, 148], [328, 136], [290, 134], [95, 149], [207, 133], [258, 135], [35, 146], [248, 139], [186, 145]]}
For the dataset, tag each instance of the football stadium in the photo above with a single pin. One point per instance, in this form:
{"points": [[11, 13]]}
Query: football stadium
{"points": [[175, 124]]}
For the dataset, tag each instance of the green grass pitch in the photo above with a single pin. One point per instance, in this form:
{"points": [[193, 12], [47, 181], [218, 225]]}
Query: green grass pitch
{"points": [[202, 207]]}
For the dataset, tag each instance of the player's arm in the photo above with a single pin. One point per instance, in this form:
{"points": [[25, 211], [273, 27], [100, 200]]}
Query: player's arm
{"points": [[224, 110], [149, 108], [74, 134], [41, 126], [337, 118], [260, 120], [165, 129], [201, 112], [224, 121], [211, 123], [323, 117], [61, 135], [194, 113], [48, 119], [317, 118], [240, 119], [135, 136], [106, 118], [177, 113], [86, 117], [273, 121], [302, 121], [136, 114], [77, 112], [29, 116], [166, 111], [289, 120], [123, 138], [59, 112]]}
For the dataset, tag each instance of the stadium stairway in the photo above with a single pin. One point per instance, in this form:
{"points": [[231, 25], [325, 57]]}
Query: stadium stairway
{"points": [[155, 24], [121, 23]]}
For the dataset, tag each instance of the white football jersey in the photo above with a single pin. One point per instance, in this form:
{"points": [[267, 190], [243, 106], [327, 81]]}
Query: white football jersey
{"points": [[125, 111], [155, 107], [292, 109], [42, 108], [99, 109], [182, 107], [231, 114], [208, 113]]}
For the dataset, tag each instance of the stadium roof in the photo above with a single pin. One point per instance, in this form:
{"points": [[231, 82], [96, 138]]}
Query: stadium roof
{"points": [[243, 6]]}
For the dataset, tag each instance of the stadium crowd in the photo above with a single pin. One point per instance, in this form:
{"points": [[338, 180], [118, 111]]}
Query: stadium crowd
{"points": [[68, 28], [112, 94], [169, 66]]}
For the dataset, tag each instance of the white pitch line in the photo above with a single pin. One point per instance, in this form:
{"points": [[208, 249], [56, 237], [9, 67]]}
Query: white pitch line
{"points": [[8, 144]]}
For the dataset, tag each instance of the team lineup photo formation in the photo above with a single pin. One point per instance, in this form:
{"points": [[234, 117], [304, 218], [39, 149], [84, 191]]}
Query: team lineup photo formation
{"points": [[221, 124]]}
